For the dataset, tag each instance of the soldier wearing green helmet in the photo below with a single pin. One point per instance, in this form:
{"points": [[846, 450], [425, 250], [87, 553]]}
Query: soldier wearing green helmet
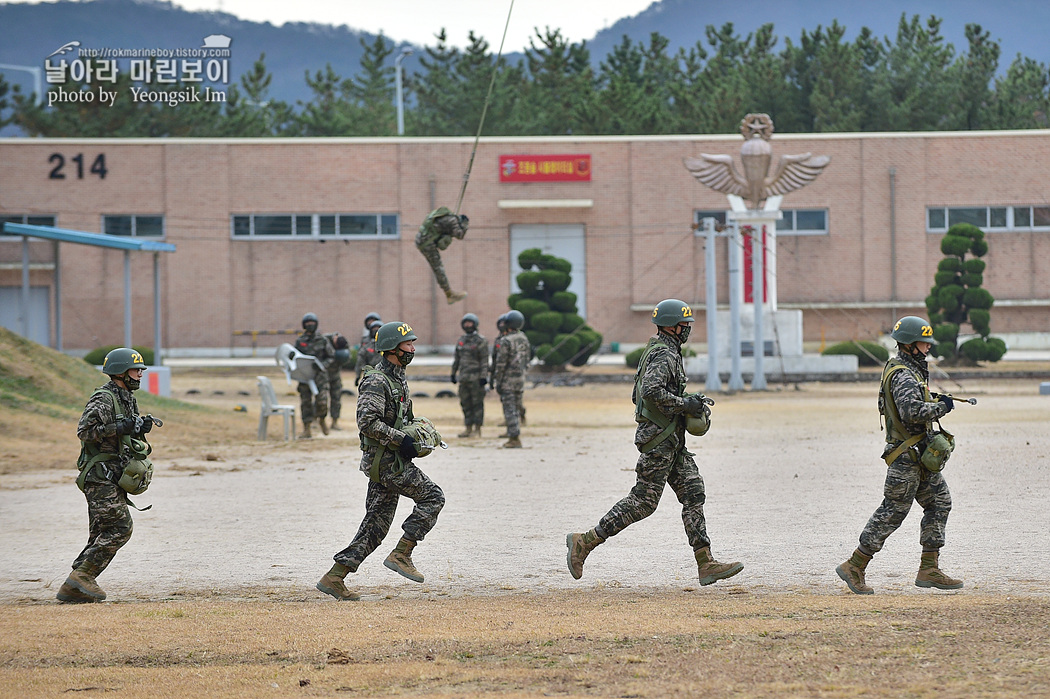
{"points": [[315, 406], [435, 235], [509, 366], [469, 369], [385, 419], [910, 411], [661, 409], [109, 423]]}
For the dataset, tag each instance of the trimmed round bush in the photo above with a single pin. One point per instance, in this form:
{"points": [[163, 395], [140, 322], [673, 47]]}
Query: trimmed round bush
{"points": [[950, 264], [996, 348], [979, 248], [955, 245], [564, 301], [978, 298], [867, 353], [946, 332], [96, 356], [971, 279], [932, 304], [513, 299], [633, 357], [974, 266], [590, 342], [566, 346], [980, 319], [554, 280], [537, 338], [547, 321], [543, 352], [945, 278], [530, 307], [975, 349], [528, 282], [528, 258], [546, 262], [560, 264], [966, 230], [570, 321]]}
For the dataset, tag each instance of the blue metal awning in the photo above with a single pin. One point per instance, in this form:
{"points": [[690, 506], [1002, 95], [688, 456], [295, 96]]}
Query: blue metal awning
{"points": [[116, 242]]}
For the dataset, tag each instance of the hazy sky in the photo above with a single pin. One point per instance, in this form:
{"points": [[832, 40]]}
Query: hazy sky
{"points": [[417, 20]]}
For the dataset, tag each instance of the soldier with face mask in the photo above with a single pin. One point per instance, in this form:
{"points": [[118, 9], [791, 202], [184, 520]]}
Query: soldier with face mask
{"points": [[435, 235], [513, 354], [910, 409], [385, 418], [469, 368], [315, 406], [110, 418], [367, 355], [662, 407]]}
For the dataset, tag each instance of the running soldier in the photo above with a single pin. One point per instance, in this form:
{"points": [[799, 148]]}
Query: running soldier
{"points": [[513, 354], [384, 411], [661, 411], [435, 235], [335, 377], [468, 367], [317, 345], [110, 419], [910, 409], [367, 355]]}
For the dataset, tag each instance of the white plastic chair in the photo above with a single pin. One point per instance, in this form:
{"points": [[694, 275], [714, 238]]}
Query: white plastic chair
{"points": [[271, 407], [298, 366]]}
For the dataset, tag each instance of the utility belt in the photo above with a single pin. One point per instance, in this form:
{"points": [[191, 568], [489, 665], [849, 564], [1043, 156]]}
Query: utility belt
{"points": [[932, 448], [367, 444], [667, 427]]}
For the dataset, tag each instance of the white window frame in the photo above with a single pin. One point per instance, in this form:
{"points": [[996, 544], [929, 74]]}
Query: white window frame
{"points": [[1010, 216], [785, 227], [314, 232], [134, 225]]}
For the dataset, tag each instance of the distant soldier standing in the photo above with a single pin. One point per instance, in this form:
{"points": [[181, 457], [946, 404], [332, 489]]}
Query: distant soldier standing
{"points": [[317, 345], [661, 409], [384, 410], [110, 418], [367, 355], [469, 367], [366, 332], [436, 234], [910, 408], [335, 377], [513, 354]]}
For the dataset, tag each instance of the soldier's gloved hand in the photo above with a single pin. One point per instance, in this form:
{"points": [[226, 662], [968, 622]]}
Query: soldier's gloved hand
{"points": [[408, 448], [453, 378], [694, 405], [128, 425], [147, 424], [483, 382], [948, 402]]}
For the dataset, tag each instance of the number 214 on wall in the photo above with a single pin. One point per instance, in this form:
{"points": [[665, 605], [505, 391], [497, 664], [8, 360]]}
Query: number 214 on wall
{"points": [[98, 166]]}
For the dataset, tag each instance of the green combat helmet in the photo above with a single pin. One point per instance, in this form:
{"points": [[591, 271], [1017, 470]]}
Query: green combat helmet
{"points": [[911, 329], [515, 320], [120, 360], [425, 435], [392, 334], [671, 312]]}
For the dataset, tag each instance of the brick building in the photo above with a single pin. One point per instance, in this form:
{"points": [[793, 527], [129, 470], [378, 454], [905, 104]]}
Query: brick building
{"points": [[266, 230]]}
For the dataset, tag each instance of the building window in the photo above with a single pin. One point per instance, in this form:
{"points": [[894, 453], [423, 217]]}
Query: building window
{"points": [[315, 226], [795, 221], [28, 219], [992, 219], [134, 226]]}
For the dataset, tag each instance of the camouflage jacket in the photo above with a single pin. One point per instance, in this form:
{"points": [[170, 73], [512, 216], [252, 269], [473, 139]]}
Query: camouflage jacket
{"points": [[663, 386], [513, 354], [377, 408], [472, 357], [317, 345], [367, 355], [98, 422], [908, 392], [439, 228]]}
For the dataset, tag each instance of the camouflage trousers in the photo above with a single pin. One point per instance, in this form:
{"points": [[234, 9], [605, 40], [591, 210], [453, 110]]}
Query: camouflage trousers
{"points": [[908, 481], [335, 394], [381, 504], [433, 257], [311, 406], [109, 523], [655, 469], [512, 409], [472, 400]]}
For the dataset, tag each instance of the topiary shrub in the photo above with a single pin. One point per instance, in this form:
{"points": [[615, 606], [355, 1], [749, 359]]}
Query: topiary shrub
{"points": [[537, 338], [529, 282], [530, 258], [633, 357], [867, 353], [555, 280], [530, 307], [564, 301], [570, 322], [957, 298], [96, 356], [548, 321]]}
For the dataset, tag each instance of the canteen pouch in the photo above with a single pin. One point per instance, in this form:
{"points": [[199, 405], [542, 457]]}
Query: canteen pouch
{"points": [[939, 446]]}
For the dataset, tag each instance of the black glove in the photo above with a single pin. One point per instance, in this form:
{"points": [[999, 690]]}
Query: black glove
{"points": [[694, 405], [147, 424], [453, 378], [408, 448], [482, 382], [129, 425], [948, 402]]}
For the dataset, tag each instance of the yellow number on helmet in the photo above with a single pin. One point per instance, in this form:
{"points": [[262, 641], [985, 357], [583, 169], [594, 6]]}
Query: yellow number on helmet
{"points": [[897, 326], [927, 331], [654, 312], [136, 358], [687, 312], [404, 329]]}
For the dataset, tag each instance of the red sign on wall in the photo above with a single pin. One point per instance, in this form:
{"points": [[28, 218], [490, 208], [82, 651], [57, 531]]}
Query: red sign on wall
{"points": [[545, 168]]}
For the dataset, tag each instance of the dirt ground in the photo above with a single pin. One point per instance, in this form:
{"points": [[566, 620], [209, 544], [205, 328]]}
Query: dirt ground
{"points": [[239, 533]]}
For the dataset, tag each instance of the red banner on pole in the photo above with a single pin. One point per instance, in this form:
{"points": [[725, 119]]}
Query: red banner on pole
{"points": [[545, 168]]}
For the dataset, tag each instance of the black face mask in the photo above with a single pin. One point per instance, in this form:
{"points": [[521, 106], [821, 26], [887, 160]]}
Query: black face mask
{"points": [[405, 357], [132, 384], [683, 333], [310, 327], [469, 328]]}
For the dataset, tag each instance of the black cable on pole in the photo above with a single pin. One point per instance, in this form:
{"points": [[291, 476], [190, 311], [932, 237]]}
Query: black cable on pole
{"points": [[484, 110]]}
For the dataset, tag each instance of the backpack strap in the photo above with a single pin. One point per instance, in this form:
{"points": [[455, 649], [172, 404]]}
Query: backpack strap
{"points": [[895, 428], [645, 409], [89, 452], [366, 441]]}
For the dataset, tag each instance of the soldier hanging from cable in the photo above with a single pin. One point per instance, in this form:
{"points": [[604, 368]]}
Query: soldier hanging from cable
{"points": [[435, 235]]}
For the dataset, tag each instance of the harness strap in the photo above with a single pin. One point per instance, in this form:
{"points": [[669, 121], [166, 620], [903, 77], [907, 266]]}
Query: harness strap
{"points": [[646, 409], [87, 447], [903, 446], [373, 470]]}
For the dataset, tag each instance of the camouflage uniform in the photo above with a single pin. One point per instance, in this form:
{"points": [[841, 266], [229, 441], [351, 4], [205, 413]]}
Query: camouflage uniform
{"points": [[377, 409], [513, 354], [469, 367], [109, 519], [663, 384], [435, 235], [335, 378], [317, 345], [906, 479], [367, 356]]}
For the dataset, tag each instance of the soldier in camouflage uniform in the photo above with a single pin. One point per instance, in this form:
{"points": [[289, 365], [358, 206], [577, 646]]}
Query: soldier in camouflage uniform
{"points": [[367, 355], [469, 368], [335, 377], [315, 344], [513, 354], [366, 331], [435, 235], [382, 406], [109, 519], [661, 405], [906, 400]]}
